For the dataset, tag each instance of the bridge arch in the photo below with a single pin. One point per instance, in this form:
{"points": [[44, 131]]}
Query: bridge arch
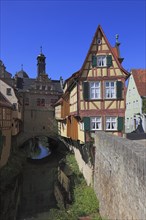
{"points": [[23, 137]]}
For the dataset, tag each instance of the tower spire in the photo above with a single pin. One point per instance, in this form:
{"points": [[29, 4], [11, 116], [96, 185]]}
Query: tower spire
{"points": [[41, 49], [117, 45], [41, 64]]}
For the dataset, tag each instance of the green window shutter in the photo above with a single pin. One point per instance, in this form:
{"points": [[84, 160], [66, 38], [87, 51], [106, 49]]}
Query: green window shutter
{"points": [[86, 91], [86, 121], [109, 60], [119, 89], [94, 61], [120, 123]]}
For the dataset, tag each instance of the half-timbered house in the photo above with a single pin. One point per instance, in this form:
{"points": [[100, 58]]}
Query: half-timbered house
{"points": [[94, 97], [6, 109]]}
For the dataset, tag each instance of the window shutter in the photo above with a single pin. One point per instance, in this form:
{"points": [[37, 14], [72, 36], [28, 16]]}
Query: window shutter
{"points": [[86, 121], [94, 61], [120, 123], [119, 89], [109, 60], [86, 91]]}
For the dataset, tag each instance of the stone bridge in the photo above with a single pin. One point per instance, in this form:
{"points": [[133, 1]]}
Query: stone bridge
{"points": [[22, 137]]}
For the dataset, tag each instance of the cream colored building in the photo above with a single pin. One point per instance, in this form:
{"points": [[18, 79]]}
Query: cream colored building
{"points": [[5, 129], [94, 96], [10, 94], [135, 115]]}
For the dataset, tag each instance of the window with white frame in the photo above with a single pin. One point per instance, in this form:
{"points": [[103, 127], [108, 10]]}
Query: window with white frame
{"points": [[94, 90], [111, 123], [101, 61], [110, 90], [95, 123]]}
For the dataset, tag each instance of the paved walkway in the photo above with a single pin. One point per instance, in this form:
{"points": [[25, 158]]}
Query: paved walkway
{"points": [[142, 141]]}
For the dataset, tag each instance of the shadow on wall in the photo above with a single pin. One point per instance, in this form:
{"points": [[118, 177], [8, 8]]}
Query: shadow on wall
{"points": [[138, 134]]}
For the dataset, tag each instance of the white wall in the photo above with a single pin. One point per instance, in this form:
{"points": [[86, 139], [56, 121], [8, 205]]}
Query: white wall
{"points": [[133, 107]]}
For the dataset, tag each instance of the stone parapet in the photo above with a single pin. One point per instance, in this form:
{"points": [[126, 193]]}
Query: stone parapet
{"points": [[120, 177]]}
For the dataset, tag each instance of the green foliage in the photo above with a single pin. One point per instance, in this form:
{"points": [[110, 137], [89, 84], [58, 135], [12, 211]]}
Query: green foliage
{"points": [[85, 202], [58, 215], [84, 199], [71, 162], [144, 105]]}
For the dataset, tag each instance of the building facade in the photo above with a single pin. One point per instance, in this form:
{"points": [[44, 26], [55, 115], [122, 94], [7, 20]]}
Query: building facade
{"points": [[94, 96], [37, 96], [5, 129], [11, 96], [135, 115]]}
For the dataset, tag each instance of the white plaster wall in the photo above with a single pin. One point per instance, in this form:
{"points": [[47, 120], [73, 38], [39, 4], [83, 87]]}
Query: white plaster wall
{"points": [[11, 98], [132, 109]]}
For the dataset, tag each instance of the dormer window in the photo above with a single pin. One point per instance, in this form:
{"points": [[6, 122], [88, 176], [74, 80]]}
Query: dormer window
{"points": [[9, 92]]}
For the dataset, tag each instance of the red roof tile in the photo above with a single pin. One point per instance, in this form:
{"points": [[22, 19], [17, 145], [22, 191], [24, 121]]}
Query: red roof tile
{"points": [[115, 51], [139, 76]]}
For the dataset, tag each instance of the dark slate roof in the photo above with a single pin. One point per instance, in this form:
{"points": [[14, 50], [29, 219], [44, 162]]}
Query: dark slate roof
{"points": [[57, 85], [22, 74], [28, 83]]}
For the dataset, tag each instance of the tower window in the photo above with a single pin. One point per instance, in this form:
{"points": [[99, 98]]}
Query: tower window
{"points": [[40, 102]]}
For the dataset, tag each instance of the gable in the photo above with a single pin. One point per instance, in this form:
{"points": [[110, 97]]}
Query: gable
{"points": [[101, 47]]}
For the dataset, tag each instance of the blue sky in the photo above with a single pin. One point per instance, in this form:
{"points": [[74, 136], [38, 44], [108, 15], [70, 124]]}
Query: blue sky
{"points": [[65, 30]]}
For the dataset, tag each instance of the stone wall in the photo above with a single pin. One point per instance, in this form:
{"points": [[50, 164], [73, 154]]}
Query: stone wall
{"points": [[83, 161], [120, 177], [85, 168]]}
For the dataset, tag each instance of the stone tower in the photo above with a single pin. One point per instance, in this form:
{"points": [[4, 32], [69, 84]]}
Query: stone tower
{"points": [[41, 65]]}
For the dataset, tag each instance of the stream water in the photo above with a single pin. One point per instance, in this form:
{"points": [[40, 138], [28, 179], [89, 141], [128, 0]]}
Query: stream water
{"points": [[44, 152], [38, 179]]}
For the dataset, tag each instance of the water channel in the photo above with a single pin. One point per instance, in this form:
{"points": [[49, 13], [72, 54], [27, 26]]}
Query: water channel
{"points": [[38, 178]]}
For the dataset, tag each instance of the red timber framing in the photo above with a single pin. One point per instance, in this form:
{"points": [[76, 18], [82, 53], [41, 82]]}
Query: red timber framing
{"points": [[102, 65]]}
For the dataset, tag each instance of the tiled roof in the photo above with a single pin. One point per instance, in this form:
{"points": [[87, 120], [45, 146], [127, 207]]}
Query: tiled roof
{"points": [[139, 76], [115, 51]]}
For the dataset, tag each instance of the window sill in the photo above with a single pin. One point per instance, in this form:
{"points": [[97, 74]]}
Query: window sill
{"points": [[96, 130], [111, 130]]}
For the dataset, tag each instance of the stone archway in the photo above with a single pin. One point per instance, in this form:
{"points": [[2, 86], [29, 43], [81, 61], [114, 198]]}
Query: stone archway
{"points": [[38, 178]]}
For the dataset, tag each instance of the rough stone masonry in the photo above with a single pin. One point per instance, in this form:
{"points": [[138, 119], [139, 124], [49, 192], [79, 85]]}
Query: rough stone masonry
{"points": [[120, 177]]}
